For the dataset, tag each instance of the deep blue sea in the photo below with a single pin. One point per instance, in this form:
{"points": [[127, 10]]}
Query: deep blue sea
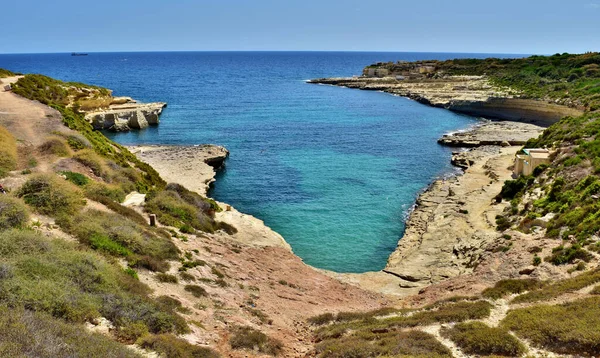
{"points": [[334, 170]]}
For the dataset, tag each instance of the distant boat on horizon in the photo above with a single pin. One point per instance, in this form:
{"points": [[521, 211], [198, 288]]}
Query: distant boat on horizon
{"points": [[78, 54]]}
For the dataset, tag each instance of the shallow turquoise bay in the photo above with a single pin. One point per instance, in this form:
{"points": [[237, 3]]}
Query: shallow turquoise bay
{"points": [[334, 170]]}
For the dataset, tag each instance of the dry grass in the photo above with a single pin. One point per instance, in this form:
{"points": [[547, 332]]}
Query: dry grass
{"points": [[13, 213], [51, 195], [570, 328], [25, 333], [8, 152], [478, 338]]}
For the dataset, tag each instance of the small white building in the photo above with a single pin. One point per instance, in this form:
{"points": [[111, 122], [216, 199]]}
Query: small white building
{"points": [[527, 162]]}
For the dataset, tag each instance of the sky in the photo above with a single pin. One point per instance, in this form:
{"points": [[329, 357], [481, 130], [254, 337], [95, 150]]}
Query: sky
{"points": [[473, 26]]}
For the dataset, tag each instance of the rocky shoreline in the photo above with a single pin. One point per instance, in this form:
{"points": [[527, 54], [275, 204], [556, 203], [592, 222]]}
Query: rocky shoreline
{"points": [[472, 95]]}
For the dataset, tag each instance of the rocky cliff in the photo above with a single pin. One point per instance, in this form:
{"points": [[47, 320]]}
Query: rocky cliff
{"points": [[473, 95], [126, 116]]}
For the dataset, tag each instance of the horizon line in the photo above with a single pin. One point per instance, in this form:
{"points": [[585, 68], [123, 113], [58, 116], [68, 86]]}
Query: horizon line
{"points": [[266, 51]]}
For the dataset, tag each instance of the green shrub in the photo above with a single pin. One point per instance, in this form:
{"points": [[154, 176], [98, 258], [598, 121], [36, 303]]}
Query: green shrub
{"points": [[54, 146], [170, 346], [250, 338], [196, 291], [25, 333], [50, 195], [478, 338], [117, 235], [514, 188], [8, 152], [322, 319], [76, 178], [96, 190], [414, 344], [510, 286], [13, 213], [59, 278], [172, 210], [166, 278], [6, 73], [565, 255], [93, 161], [560, 287], [570, 328]]}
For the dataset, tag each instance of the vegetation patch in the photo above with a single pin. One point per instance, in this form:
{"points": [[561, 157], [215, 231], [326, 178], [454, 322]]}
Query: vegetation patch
{"points": [[168, 345], [558, 288], [250, 338], [384, 344], [51, 195], [478, 338], [511, 286], [58, 278], [116, 235], [570, 328], [196, 291], [13, 213], [173, 210], [8, 152], [24, 333], [54, 146]]}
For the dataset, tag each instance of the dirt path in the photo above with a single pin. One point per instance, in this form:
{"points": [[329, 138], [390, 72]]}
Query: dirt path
{"points": [[30, 122]]}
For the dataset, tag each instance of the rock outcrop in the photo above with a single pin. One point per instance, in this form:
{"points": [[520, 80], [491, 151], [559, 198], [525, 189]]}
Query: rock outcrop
{"points": [[492, 133], [473, 95], [126, 116]]}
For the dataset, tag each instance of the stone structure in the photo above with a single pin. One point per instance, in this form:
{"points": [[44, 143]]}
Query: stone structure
{"points": [[531, 158]]}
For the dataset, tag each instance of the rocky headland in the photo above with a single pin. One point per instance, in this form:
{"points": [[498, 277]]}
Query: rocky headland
{"points": [[121, 117], [472, 95]]}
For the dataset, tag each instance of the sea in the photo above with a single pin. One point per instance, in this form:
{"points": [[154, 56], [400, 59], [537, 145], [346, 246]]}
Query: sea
{"points": [[335, 171]]}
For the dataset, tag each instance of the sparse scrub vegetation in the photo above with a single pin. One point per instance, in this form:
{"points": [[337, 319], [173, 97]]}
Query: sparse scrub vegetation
{"points": [[168, 345], [13, 213], [51, 195], [510, 286], [478, 338], [116, 235], [24, 333], [570, 328], [252, 339], [57, 277], [555, 289], [54, 146], [8, 152]]}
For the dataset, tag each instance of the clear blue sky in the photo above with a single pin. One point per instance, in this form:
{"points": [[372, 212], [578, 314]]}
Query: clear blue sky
{"points": [[507, 26]]}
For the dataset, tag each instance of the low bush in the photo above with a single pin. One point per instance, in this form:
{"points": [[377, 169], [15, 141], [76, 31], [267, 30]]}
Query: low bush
{"points": [[514, 188], [119, 236], [322, 319], [54, 146], [124, 211], [96, 190], [59, 278], [93, 161], [168, 345], [415, 344], [166, 278], [51, 195], [252, 339], [24, 333], [478, 338], [570, 328], [558, 288], [8, 152], [565, 255], [196, 291], [172, 210], [506, 287], [441, 312], [13, 213], [76, 178]]}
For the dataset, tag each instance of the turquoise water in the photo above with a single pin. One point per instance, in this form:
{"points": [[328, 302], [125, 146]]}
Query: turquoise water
{"points": [[334, 170]]}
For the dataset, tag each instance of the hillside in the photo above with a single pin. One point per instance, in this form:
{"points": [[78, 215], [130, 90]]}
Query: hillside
{"points": [[75, 253]]}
